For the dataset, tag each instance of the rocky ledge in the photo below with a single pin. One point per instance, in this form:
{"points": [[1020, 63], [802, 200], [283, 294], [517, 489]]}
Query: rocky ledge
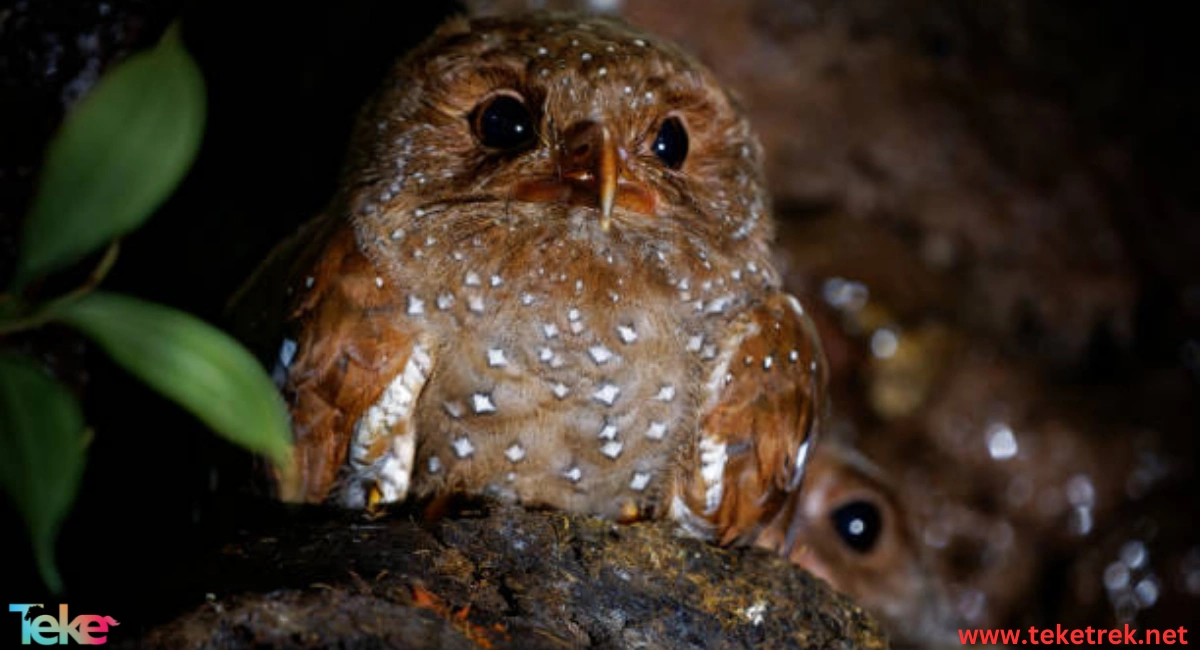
{"points": [[495, 576]]}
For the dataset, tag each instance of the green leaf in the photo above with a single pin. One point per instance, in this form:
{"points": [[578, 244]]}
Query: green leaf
{"points": [[118, 156], [192, 363], [42, 444]]}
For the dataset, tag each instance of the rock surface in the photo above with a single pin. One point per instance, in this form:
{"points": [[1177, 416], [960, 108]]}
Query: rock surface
{"points": [[501, 577]]}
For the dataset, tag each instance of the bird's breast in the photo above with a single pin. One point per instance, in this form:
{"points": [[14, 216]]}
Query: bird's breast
{"points": [[564, 373], [556, 398]]}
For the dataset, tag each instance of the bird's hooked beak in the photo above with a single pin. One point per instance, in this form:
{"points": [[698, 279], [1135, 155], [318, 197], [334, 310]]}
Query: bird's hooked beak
{"points": [[590, 157], [591, 171]]}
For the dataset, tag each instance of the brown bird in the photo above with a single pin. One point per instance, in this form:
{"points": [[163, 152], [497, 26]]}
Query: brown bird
{"points": [[545, 277]]}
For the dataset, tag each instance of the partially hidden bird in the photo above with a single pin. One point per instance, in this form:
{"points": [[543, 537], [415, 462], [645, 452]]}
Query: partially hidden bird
{"points": [[545, 277]]}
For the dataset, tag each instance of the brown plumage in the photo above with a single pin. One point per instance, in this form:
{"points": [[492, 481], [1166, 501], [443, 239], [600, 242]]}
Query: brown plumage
{"points": [[531, 285]]}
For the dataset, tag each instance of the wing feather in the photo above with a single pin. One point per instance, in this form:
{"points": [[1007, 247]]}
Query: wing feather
{"points": [[766, 394]]}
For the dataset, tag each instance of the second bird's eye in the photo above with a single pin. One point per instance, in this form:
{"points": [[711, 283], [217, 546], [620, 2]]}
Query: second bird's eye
{"points": [[859, 524], [502, 121], [671, 144]]}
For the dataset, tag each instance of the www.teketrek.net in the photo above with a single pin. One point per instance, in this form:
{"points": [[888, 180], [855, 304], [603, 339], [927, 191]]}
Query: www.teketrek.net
{"points": [[1058, 635]]}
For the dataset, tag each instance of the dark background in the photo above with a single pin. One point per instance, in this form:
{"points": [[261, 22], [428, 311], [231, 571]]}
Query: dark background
{"points": [[283, 86]]}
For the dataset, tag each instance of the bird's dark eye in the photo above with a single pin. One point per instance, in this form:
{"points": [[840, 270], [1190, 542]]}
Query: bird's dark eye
{"points": [[671, 144], [858, 523], [502, 121]]}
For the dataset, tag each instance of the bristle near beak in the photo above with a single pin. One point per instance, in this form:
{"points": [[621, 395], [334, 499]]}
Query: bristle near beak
{"points": [[590, 169]]}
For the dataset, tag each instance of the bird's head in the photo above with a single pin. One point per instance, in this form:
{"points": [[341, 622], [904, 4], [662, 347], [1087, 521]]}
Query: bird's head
{"points": [[581, 123]]}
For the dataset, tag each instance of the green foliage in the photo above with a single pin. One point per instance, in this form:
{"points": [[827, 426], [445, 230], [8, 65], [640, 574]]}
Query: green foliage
{"points": [[41, 453], [118, 156], [190, 362], [116, 159]]}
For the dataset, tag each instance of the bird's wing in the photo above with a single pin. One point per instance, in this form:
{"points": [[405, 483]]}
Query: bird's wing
{"points": [[764, 398], [350, 368]]}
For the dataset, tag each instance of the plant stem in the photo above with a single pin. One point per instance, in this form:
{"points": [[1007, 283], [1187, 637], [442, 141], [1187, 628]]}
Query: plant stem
{"points": [[44, 312]]}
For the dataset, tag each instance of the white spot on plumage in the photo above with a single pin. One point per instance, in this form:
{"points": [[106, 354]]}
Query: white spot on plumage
{"points": [[718, 305], [396, 470], [794, 356], [472, 279], [496, 281], [666, 393], [287, 353], [416, 306], [768, 361], [688, 521], [694, 343], [550, 330], [627, 334], [612, 448], [463, 447], [608, 431], [640, 481], [515, 453], [573, 474], [600, 354], [309, 282], [712, 472], [496, 358], [482, 403], [560, 390], [607, 393], [453, 409], [445, 301], [656, 430], [798, 472], [435, 464], [475, 304]]}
